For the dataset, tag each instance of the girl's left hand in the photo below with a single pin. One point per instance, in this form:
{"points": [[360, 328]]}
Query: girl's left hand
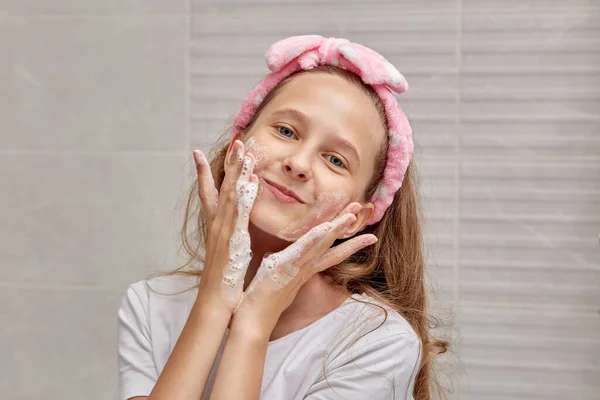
{"points": [[281, 274]]}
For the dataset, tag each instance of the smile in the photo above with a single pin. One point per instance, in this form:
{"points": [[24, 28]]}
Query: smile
{"points": [[280, 195]]}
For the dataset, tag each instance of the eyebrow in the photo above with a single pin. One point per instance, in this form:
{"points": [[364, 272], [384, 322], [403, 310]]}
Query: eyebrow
{"points": [[306, 120]]}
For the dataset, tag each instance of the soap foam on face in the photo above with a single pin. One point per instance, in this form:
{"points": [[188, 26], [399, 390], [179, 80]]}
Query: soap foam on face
{"points": [[327, 206], [262, 154], [282, 267]]}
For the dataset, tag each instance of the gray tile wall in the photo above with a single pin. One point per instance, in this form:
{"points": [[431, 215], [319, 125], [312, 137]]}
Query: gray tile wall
{"points": [[103, 102]]}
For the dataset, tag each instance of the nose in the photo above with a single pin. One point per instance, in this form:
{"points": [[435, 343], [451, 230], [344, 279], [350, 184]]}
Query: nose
{"points": [[298, 166]]}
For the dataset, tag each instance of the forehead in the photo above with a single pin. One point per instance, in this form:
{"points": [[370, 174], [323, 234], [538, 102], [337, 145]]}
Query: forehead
{"points": [[334, 106]]}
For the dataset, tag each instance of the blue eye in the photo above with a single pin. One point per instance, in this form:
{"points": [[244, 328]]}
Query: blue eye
{"points": [[341, 162], [285, 131], [280, 128]]}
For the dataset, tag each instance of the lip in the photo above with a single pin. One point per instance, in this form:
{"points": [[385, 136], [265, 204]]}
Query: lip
{"points": [[282, 189]]}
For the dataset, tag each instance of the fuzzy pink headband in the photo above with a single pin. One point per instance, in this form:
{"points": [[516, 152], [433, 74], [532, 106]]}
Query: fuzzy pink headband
{"points": [[308, 51]]}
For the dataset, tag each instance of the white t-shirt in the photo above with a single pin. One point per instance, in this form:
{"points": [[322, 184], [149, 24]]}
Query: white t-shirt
{"points": [[379, 365]]}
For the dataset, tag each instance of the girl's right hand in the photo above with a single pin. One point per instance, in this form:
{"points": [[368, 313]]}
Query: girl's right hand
{"points": [[227, 213]]}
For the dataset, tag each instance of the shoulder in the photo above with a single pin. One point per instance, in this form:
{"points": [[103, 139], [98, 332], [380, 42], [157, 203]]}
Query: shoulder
{"points": [[377, 352], [376, 327], [166, 284], [171, 286], [373, 313], [148, 296], [150, 319]]}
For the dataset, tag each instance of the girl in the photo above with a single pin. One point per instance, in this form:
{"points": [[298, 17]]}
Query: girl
{"points": [[312, 277]]}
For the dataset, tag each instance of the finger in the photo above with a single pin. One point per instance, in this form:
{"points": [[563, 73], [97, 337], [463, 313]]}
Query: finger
{"points": [[353, 208], [317, 213], [289, 259], [341, 222], [321, 237], [337, 227], [246, 197], [309, 239], [246, 188], [233, 165], [282, 268], [206, 186], [246, 172], [239, 250], [227, 189], [324, 244], [230, 206], [312, 244], [342, 251]]}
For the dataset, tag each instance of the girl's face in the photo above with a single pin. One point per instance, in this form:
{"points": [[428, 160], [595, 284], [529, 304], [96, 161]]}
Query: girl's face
{"points": [[318, 138]]}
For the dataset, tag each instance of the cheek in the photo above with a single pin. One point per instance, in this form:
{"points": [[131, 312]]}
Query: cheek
{"points": [[329, 204], [261, 153], [327, 207]]}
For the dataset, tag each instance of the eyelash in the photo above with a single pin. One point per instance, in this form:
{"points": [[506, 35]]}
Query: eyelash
{"points": [[285, 127]]}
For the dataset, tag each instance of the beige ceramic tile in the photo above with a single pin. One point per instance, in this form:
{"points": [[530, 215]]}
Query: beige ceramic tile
{"points": [[90, 220], [94, 84], [63, 344]]}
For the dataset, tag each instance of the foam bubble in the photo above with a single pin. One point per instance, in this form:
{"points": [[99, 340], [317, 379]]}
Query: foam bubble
{"points": [[240, 254], [262, 154]]}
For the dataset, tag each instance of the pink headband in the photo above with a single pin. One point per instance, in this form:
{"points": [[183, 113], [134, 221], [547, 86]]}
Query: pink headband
{"points": [[308, 51]]}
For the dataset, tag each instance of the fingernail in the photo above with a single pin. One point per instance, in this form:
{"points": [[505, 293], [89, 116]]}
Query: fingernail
{"points": [[199, 157]]}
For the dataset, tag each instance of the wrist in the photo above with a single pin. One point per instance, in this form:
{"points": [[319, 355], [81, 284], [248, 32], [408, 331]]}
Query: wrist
{"points": [[250, 328], [212, 309]]}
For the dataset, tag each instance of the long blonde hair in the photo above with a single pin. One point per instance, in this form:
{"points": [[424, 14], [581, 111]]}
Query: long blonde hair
{"points": [[391, 271]]}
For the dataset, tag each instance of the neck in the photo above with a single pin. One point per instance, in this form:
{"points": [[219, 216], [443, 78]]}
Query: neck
{"points": [[261, 243]]}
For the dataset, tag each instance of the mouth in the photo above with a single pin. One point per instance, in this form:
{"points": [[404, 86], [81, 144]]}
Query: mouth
{"points": [[282, 193]]}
